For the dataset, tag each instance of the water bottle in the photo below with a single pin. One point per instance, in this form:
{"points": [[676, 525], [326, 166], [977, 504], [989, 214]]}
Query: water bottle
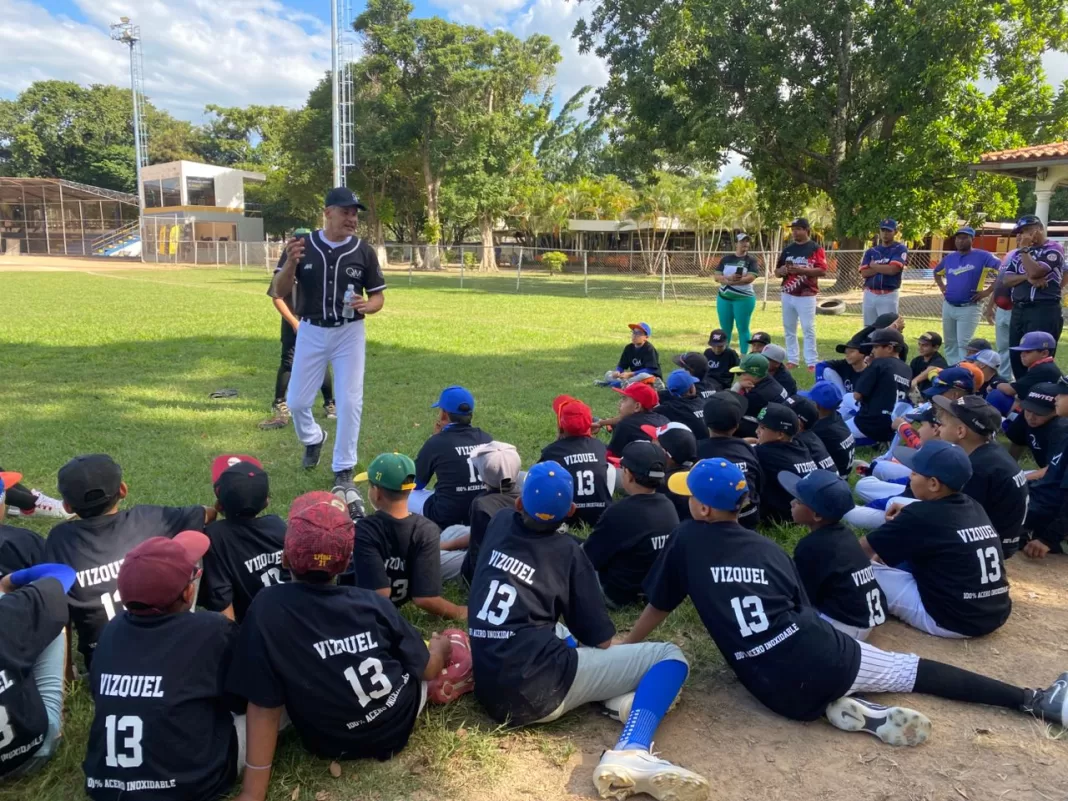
{"points": [[909, 436], [347, 311]]}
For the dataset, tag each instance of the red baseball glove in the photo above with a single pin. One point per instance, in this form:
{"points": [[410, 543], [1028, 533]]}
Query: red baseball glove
{"points": [[457, 677]]}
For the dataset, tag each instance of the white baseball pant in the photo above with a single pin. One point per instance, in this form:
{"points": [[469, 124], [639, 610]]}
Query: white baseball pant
{"points": [[866, 518], [855, 632], [870, 489], [452, 561], [793, 310], [904, 602], [884, 671], [344, 348], [876, 305], [417, 500]]}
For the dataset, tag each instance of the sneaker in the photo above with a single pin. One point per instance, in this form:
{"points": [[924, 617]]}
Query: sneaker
{"points": [[43, 506], [1050, 704], [313, 452], [331, 410], [894, 725], [279, 417], [346, 491], [622, 774]]}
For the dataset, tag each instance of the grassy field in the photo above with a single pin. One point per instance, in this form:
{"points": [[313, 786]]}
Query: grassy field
{"points": [[123, 362]]}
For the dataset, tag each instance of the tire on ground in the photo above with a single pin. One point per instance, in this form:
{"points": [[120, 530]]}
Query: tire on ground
{"points": [[831, 307]]}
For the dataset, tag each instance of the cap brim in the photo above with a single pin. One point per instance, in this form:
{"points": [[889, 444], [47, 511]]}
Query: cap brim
{"points": [[360, 478], [636, 327], [195, 543], [933, 392], [620, 391], [677, 483], [906, 456], [736, 370], [1030, 406], [943, 403], [650, 431], [10, 479], [789, 482], [351, 205]]}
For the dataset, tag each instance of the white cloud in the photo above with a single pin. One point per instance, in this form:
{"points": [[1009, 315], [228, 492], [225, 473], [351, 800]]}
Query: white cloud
{"points": [[478, 12]]}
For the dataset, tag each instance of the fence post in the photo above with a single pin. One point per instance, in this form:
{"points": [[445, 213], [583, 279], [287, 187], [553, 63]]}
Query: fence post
{"points": [[241, 257], [585, 274], [461, 266], [518, 271], [411, 264], [663, 276], [195, 252]]}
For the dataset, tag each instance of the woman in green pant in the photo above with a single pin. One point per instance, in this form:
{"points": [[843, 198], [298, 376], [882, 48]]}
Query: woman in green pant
{"points": [[736, 299]]}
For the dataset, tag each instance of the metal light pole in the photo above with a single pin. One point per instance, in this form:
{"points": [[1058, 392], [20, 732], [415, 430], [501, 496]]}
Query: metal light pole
{"points": [[129, 34], [342, 54], [339, 172]]}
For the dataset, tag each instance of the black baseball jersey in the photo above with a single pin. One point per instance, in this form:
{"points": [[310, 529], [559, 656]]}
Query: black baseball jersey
{"points": [[447, 455], [838, 577], [626, 541], [838, 440], [245, 556], [743, 456], [639, 360], [1045, 441], [845, 371], [96, 546], [325, 272], [586, 459], [719, 366], [1000, 487], [680, 502], [343, 662], [629, 430], [793, 457], [525, 582], [1040, 372], [688, 411], [162, 725], [921, 365], [786, 380], [1047, 515], [752, 602], [19, 548], [767, 390], [707, 387], [31, 618], [402, 554], [955, 555], [483, 510], [882, 385], [820, 455]]}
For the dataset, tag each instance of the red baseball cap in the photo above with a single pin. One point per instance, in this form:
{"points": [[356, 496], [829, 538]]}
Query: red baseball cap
{"points": [[643, 393], [154, 574], [223, 463], [320, 535], [573, 416]]}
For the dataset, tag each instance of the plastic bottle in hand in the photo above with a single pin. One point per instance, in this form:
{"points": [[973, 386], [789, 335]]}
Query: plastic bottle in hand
{"points": [[347, 311], [909, 436]]}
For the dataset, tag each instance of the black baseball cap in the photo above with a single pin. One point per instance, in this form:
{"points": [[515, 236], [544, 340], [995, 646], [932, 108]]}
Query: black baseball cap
{"points": [[884, 336], [1026, 221], [779, 417], [243, 489], [805, 410], [801, 222], [760, 338], [343, 196], [645, 459], [723, 411], [973, 411], [925, 413], [1042, 398], [90, 483], [695, 363], [978, 344], [932, 338], [677, 440], [853, 344], [717, 337]]}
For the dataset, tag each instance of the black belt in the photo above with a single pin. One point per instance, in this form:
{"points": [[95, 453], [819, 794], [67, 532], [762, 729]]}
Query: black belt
{"points": [[962, 305], [1023, 303], [329, 323]]}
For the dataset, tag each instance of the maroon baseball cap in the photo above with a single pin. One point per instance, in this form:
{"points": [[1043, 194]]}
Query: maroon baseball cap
{"points": [[154, 574], [223, 463], [320, 535]]}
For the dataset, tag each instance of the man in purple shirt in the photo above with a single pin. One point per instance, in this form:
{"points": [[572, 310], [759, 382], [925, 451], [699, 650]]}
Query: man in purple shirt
{"points": [[1034, 276], [881, 270], [962, 277]]}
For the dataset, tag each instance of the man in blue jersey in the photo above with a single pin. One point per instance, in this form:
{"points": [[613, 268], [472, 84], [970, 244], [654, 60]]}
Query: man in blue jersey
{"points": [[881, 269]]}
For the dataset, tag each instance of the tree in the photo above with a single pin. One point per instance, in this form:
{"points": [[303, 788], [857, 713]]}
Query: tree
{"points": [[572, 147]]}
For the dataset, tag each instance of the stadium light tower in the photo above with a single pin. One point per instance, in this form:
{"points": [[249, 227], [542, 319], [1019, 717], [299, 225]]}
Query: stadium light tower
{"points": [[129, 34], [342, 54]]}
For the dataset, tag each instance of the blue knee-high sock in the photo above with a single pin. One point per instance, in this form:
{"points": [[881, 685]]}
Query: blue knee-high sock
{"points": [[652, 699]]}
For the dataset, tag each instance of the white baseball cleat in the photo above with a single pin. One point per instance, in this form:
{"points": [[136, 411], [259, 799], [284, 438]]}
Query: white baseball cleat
{"points": [[618, 708], [894, 725], [621, 774]]}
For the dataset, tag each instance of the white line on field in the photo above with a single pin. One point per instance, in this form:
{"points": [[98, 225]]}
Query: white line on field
{"points": [[172, 283]]}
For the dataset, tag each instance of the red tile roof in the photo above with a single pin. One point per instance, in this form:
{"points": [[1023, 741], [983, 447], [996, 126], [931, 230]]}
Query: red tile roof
{"points": [[1054, 150]]}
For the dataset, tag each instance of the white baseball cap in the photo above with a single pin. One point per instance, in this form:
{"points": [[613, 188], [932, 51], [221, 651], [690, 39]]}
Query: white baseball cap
{"points": [[988, 358]]}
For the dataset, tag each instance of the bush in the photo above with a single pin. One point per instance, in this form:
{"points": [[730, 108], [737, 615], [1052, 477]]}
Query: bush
{"points": [[469, 259], [554, 261]]}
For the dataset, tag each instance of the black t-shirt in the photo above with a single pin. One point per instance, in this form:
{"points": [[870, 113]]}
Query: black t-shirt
{"points": [[955, 555], [447, 455], [793, 457], [343, 662], [719, 365], [401, 554], [680, 502], [483, 510], [1045, 441], [838, 577], [626, 541], [629, 430], [743, 456], [1037, 374], [639, 360], [525, 582], [838, 440], [688, 411], [751, 600], [767, 390], [885, 383], [920, 365], [585, 458], [1000, 487], [1045, 515], [162, 727], [820, 455], [245, 556], [30, 619], [845, 371], [96, 547], [19, 548], [786, 380]]}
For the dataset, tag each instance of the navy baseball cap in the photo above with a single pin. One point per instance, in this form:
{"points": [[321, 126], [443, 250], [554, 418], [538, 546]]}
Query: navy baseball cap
{"points": [[977, 344], [852, 344], [801, 222], [924, 413], [716, 483], [343, 196], [884, 336], [965, 229], [1036, 340], [1026, 221], [888, 225], [759, 338], [455, 400], [643, 327], [681, 380], [696, 363], [950, 378], [938, 459], [822, 491], [1042, 398], [724, 410], [824, 394], [547, 492], [779, 417], [718, 337], [645, 459]]}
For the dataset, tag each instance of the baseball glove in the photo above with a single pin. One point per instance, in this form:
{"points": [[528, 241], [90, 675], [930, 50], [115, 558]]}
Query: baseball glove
{"points": [[457, 677]]}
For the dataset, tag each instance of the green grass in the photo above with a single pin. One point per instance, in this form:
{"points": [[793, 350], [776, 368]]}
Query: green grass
{"points": [[124, 362]]}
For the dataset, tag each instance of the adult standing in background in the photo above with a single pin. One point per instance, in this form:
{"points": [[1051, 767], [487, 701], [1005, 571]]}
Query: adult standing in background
{"points": [[961, 277], [736, 299], [800, 266], [334, 269], [881, 268], [1034, 276], [998, 311]]}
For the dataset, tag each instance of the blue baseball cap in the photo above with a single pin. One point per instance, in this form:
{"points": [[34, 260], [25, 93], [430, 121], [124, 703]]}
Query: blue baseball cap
{"points": [[965, 229], [887, 225], [938, 459], [822, 491], [1036, 340], [548, 491], [641, 327], [343, 196], [824, 394], [681, 380], [1026, 221], [950, 378], [455, 400], [714, 482]]}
